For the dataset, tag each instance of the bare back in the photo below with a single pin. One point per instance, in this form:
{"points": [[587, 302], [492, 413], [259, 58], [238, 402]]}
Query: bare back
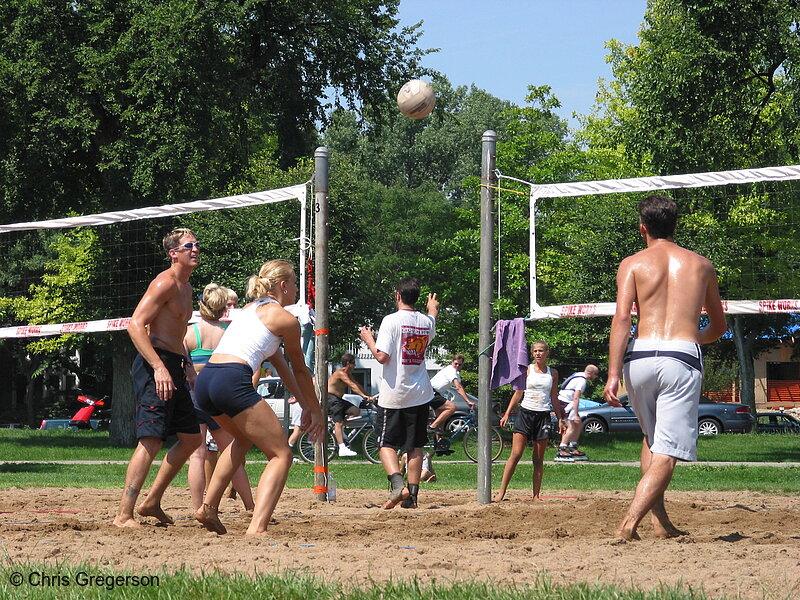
{"points": [[670, 285]]}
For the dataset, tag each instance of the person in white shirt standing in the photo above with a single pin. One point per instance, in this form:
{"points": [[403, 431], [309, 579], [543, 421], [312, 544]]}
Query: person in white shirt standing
{"points": [[569, 394], [405, 391]]}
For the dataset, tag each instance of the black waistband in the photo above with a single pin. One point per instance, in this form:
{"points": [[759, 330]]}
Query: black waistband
{"points": [[695, 362]]}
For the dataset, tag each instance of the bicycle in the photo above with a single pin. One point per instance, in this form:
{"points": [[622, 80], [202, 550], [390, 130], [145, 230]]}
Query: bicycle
{"points": [[351, 430], [469, 427]]}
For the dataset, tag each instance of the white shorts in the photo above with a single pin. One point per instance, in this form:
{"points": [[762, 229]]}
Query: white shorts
{"points": [[295, 414], [664, 379]]}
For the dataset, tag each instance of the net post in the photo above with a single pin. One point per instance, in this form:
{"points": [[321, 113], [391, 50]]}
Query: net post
{"points": [[488, 183], [321, 169]]}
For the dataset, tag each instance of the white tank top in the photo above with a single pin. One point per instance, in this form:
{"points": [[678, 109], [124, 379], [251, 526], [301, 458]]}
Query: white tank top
{"points": [[537, 390], [248, 338]]}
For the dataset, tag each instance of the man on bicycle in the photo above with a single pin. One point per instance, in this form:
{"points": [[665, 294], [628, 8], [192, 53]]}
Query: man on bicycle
{"points": [[339, 408]]}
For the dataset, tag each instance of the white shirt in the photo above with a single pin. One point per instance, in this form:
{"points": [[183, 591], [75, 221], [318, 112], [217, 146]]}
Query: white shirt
{"points": [[578, 382], [248, 338], [405, 335], [537, 390], [442, 381]]}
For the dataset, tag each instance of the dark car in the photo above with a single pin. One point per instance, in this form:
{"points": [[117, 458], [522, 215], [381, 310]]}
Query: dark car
{"points": [[776, 422], [712, 418]]}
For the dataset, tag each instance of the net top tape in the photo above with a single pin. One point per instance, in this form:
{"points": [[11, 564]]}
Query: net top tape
{"points": [[296, 192], [666, 182]]}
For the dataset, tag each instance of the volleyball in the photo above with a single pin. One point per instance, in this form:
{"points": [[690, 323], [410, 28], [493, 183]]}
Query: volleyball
{"points": [[416, 99]]}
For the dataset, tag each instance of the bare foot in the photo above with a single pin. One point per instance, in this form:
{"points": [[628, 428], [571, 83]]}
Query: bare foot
{"points": [[627, 535], [255, 532], [157, 512], [207, 515], [396, 499], [499, 498], [125, 521], [665, 532]]}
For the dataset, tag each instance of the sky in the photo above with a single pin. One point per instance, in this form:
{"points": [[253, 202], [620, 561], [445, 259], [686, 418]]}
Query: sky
{"points": [[503, 46]]}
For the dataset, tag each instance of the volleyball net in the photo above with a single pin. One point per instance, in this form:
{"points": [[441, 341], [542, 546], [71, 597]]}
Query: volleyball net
{"points": [[85, 274], [745, 221]]}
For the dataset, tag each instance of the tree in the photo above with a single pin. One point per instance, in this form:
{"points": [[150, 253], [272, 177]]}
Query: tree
{"points": [[404, 202], [115, 105], [712, 86]]}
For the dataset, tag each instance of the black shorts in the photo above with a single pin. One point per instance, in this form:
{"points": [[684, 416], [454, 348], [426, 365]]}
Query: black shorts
{"points": [[154, 416], [533, 424], [337, 408], [225, 388], [438, 400], [402, 427]]}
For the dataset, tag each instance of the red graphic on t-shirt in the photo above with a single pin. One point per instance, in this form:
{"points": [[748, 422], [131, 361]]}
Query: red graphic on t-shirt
{"points": [[415, 341]]}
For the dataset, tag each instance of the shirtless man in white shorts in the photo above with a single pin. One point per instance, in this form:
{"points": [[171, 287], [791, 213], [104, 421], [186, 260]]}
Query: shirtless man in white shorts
{"points": [[663, 364]]}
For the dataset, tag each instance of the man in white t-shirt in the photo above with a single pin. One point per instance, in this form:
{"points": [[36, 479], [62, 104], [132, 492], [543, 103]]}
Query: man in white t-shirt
{"points": [[405, 391], [446, 378], [569, 395]]}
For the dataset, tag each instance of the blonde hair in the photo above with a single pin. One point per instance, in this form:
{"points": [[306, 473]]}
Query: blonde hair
{"points": [[232, 296], [543, 343], [173, 238], [214, 301], [269, 277]]}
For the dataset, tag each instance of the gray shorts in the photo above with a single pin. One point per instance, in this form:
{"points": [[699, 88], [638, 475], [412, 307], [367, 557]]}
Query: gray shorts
{"points": [[664, 379]]}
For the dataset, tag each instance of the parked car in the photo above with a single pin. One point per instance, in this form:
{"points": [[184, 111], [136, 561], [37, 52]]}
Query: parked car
{"points": [[712, 418], [776, 422]]}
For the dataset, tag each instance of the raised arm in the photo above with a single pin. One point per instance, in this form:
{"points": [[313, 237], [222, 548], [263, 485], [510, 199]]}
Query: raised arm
{"points": [[369, 339]]}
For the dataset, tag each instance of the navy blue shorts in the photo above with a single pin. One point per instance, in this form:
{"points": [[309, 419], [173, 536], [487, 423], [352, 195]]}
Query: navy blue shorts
{"points": [[154, 416], [225, 388], [402, 427]]}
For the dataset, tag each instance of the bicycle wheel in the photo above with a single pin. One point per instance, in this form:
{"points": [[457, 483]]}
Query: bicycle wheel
{"points": [[306, 447], [370, 446], [471, 444]]}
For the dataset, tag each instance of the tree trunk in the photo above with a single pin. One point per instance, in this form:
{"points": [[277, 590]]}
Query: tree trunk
{"points": [[123, 407], [744, 351]]}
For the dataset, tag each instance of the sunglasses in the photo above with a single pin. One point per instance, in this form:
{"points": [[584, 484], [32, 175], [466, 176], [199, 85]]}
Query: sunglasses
{"points": [[188, 246]]}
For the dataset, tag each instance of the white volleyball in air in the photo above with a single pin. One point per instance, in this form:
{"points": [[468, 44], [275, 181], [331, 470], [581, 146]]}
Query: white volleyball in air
{"points": [[416, 99]]}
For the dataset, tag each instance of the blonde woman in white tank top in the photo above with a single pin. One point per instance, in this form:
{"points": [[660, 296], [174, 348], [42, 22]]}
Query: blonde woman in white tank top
{"points": [[226, 390], [533, 421]]}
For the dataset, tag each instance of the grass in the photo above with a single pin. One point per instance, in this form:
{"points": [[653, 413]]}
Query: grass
{"points": [[68, 582], [451, 476], [36, 445], [59, 445]]}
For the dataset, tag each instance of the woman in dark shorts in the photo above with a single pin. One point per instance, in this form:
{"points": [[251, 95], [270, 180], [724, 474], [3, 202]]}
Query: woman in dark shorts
{"points": [[533, 421], [225, 389], [200, 341]]}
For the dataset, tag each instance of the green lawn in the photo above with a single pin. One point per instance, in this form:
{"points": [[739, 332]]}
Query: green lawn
{"points": [[43, 446], [36, 445], [74, 584]]}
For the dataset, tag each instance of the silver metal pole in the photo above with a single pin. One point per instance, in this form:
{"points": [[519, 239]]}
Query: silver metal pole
{"points": [[321, 169], [488, 178]]}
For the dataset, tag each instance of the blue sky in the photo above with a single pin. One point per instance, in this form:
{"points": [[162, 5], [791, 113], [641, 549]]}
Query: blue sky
{"points": [[503, 46]]}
